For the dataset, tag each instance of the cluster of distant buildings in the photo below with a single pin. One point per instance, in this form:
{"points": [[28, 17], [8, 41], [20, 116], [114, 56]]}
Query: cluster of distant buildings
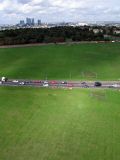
{"points": [[30, 23]]}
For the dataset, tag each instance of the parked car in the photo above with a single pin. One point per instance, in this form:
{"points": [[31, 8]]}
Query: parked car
{"points": [[63, 82], [45, 82], [27, 82], [15, 81], [22, 83], [83, 82], [36, 81], [53, 82], [69, 85], [98, 84], [86, 86], [115, 85], [45, 85], [110, 87]]}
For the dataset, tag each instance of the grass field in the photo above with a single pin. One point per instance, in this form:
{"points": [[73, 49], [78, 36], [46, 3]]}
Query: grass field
{"points": [[84, 61], [44, 124], [60, 124]]}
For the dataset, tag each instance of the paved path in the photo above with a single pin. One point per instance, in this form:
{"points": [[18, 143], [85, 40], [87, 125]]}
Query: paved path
{"points": [[61, 84], [43, 44]]}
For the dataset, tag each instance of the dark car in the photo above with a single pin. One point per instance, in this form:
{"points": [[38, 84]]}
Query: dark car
{"points": [[86, 86], [63, 82], [98, 84], [83, 82], [110, 87], [26, 82]]}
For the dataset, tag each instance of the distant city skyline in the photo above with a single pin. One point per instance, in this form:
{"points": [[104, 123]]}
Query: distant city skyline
{"points": [[12, 11], [29, 21]]}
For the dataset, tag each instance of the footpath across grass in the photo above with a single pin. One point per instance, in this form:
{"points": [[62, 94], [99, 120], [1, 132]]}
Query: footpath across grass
{"points": [[73, 62], [59, 124]]}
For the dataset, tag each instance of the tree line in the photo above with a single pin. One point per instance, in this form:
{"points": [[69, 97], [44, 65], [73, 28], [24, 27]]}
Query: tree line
{"points": [[50, 35]]}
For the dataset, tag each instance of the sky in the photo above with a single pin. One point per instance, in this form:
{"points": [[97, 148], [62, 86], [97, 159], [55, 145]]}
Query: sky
{"points": [[12, 11]]}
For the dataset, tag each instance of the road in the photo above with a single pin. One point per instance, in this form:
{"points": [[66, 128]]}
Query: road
{"points": [[60, 84]]}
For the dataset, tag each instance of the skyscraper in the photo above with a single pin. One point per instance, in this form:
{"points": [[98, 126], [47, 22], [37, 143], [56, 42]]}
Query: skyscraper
{"points": [[32, 21], [22, 22], [39, 22], [28, 21]]}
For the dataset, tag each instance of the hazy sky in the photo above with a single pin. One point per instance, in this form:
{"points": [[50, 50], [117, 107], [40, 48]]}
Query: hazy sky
{"points": [[11, 11]]}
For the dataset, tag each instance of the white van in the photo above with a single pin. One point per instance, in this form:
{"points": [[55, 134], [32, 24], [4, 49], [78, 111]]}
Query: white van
{"points": [[15, 81], [45, 85]]}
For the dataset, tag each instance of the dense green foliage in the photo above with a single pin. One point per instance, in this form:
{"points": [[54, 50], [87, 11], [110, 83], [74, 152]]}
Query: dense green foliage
{"points": [[47, 35], [45, 124], [84, 61]]}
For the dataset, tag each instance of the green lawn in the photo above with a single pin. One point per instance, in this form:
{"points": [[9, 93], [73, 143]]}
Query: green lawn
{"points": [[84, 61], [45, 124], [60, 124]]}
